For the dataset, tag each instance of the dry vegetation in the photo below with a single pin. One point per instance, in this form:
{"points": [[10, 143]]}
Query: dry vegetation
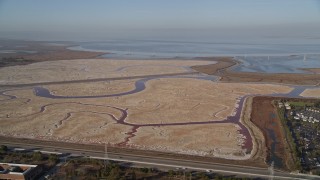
{"points": [[112, 119], [218, 140], [65, 70], [314, 93]]}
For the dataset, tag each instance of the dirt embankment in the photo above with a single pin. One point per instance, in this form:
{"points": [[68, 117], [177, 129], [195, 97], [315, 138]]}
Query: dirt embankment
{"points": [[312, 70], [222, 69], [213, 69], [264, 116], [299, 79], [258, 153]]}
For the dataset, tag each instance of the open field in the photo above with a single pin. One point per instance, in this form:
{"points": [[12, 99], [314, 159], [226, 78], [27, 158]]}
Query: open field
{"points": [[158, 114], [178, 139]]}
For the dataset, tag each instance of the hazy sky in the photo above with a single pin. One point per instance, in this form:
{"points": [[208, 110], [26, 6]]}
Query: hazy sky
{"points": [[159, 19]]}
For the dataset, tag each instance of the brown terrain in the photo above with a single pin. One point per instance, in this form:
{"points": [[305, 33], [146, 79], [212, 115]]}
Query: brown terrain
{"points": [[312, 70], [264, 116], [259, 115], [311, 93], [131, 119], [258, 153], [222, 69], [151, 153], [215, 69], [27, 52]]}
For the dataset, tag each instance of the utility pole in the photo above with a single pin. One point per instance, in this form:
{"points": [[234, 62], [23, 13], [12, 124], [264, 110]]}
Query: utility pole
{"points": [[105, 155], [271, 170]]}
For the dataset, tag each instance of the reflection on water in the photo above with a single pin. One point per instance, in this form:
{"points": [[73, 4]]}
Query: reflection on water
{"points": [[278, 64]]}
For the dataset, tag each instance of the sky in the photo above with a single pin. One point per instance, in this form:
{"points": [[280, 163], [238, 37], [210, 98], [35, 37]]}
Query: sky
{"points": [[160, 19]]}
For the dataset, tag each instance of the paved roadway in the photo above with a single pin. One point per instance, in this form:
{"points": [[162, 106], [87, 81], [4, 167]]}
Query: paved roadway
{"points": [[158, 161]]}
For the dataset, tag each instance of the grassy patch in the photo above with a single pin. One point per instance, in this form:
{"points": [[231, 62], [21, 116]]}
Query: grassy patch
{"points": [[300, 104], [292, 148]]}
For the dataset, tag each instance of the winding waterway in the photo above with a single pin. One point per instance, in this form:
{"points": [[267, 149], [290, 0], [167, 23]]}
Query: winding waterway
{"points": [[140, 85]]}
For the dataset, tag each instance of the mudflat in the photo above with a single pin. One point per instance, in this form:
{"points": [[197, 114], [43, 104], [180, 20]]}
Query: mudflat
{"points": [[156, 115], [313, 70], [222, 69], [66, 70]]}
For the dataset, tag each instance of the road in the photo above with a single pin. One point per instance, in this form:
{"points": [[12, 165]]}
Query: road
{"points": [[153, 161]]}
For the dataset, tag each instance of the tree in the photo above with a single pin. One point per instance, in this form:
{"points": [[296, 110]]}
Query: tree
{"points": [[171, 173], [131, 175], [53, 158], [203, 176], [145, 170], [134, 176], [317, 104], [114, 174], [37, 156], [3, 149]]}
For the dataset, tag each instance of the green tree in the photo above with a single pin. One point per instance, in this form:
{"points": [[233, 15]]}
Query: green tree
{"points": [[317, 104], [37, 156], [134, 176], [3, 149], [145, 170], [203, 176], [171, 173], [53, 158], [114, 174]]}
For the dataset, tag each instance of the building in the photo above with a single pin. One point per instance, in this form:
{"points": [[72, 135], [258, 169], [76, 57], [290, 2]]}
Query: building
{"points": [[287, 106], [296, 117], [280, 104], [19, 171]]}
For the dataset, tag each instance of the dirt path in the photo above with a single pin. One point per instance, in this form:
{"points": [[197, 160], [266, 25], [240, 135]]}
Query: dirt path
{"points": [[258, 153]]}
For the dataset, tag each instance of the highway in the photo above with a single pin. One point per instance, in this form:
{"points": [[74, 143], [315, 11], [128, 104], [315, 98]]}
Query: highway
{"points": [[152, 161]]}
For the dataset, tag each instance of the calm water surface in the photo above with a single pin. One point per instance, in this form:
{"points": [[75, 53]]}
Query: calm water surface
{"points": [[166, 49], [278, 64], [266, 58]]}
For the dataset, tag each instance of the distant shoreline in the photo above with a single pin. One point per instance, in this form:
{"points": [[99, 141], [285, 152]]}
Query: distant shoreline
{"points": [[223, 69]]}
